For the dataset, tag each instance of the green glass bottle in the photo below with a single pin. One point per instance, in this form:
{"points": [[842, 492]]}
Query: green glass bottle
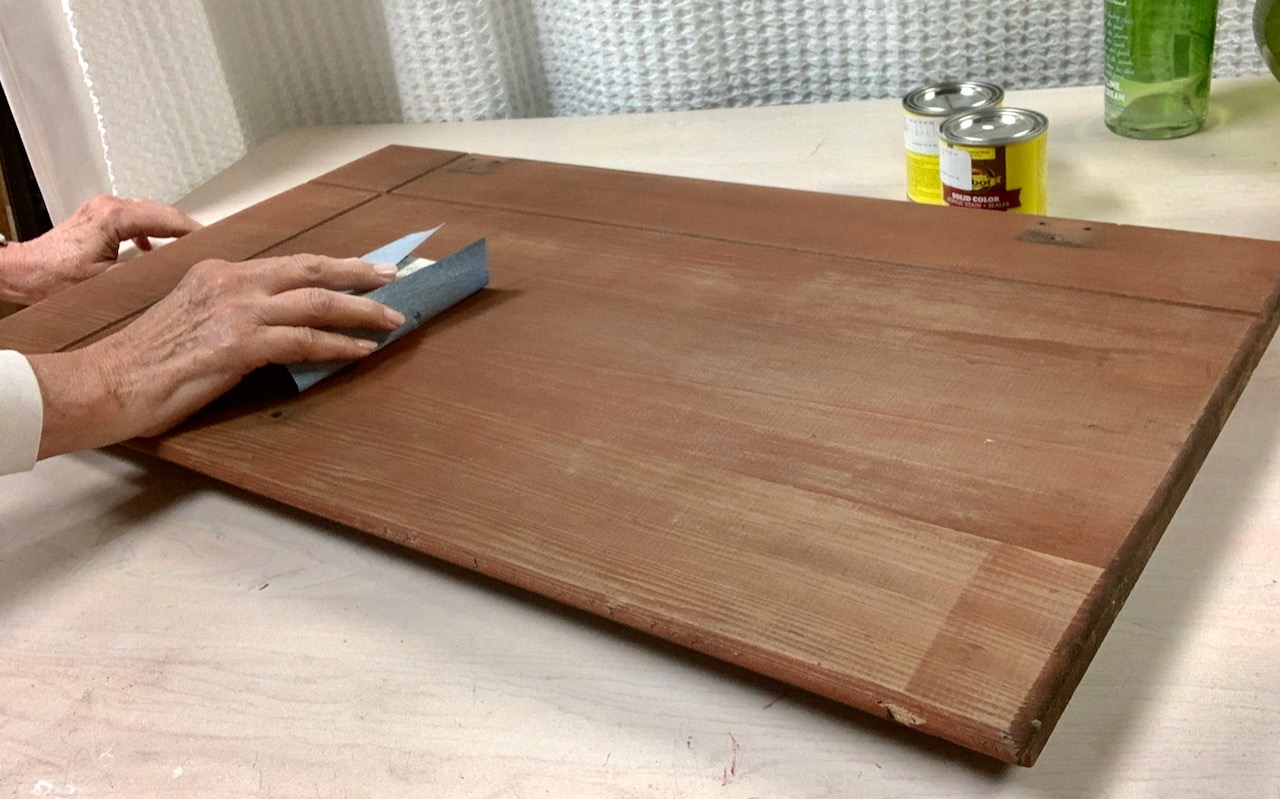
{"points": [[1158, 62], [1266, 24]]}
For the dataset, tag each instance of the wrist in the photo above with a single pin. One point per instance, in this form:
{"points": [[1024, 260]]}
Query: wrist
{"points": [[81, 408], [17, 263]]}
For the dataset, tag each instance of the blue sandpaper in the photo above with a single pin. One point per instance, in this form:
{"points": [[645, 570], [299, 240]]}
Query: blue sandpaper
{"points": [[419, 296]]}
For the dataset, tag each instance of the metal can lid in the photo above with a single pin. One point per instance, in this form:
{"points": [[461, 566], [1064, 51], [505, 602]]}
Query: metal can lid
{"points": [[992, 126], [945, 99]]}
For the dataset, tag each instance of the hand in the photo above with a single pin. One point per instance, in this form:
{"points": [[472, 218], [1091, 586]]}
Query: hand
{"points": [[221, 322], [85, 244]]}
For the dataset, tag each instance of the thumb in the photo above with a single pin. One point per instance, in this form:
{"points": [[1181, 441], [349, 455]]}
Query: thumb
{"points": [[139, 219]]}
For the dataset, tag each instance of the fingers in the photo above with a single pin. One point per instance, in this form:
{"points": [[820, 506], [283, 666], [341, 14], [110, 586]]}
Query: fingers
{"points": [[317, 307], [288, 345], [294, 324], [131, 219], [279, 275], [143, 243]]}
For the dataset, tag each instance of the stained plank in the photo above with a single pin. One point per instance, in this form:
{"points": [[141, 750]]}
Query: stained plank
{"points": [[889, 471], [1089, 255], [388, 169]]}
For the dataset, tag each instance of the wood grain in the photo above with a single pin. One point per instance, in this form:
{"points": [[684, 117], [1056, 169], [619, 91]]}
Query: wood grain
{"points": [[913, 472], [1116, 259]]}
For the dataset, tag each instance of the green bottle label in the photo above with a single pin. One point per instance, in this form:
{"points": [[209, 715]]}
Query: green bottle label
{"points": [[1118, 48], [1158, 59]]}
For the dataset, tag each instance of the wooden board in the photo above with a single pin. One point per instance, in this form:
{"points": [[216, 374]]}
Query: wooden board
{"points": [[908, 458]]}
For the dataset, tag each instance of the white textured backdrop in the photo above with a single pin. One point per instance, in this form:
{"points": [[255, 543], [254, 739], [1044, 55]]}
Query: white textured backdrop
{"points": [[152, 97]]}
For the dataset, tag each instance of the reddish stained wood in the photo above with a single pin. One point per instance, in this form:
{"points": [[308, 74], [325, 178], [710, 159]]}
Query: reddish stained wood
{"points": [[392, 167], [1093, 256], [904, 471]]}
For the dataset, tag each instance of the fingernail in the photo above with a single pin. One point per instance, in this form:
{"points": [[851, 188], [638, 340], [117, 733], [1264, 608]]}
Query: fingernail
{"points": [[394, 317], [366, 344], [385, 270]]}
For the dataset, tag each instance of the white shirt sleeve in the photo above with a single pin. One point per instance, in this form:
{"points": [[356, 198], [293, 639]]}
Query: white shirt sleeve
{"points": [[21, 413]]}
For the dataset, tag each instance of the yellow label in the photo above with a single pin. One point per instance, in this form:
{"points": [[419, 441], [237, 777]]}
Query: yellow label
{"points": [[923, 183], [1027, 168], [979, 153]]}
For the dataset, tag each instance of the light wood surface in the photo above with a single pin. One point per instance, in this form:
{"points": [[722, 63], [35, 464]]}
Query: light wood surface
{"points": [[161, 634]]}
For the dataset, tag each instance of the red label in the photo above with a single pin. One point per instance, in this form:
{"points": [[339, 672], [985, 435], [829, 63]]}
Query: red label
{"points": [[993, 199], [989, 185]]}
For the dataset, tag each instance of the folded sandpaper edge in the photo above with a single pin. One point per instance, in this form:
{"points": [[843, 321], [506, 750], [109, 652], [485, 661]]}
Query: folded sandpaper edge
{"points": [[419, 296], [396, 251]]}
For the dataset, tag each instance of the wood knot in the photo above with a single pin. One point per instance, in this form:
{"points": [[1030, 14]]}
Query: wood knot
{"points": [[474, 165], [1060, 233]]}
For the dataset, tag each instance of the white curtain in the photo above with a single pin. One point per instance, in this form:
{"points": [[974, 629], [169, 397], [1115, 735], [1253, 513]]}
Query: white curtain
{"points": [[153, 97]]}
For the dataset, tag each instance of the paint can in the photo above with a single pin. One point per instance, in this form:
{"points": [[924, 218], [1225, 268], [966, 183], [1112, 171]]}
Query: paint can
{"points": [[996, 158], [923, 110]]}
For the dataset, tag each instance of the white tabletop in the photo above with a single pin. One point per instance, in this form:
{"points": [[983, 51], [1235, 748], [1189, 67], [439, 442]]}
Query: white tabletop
{"points": [[161, 634]]}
